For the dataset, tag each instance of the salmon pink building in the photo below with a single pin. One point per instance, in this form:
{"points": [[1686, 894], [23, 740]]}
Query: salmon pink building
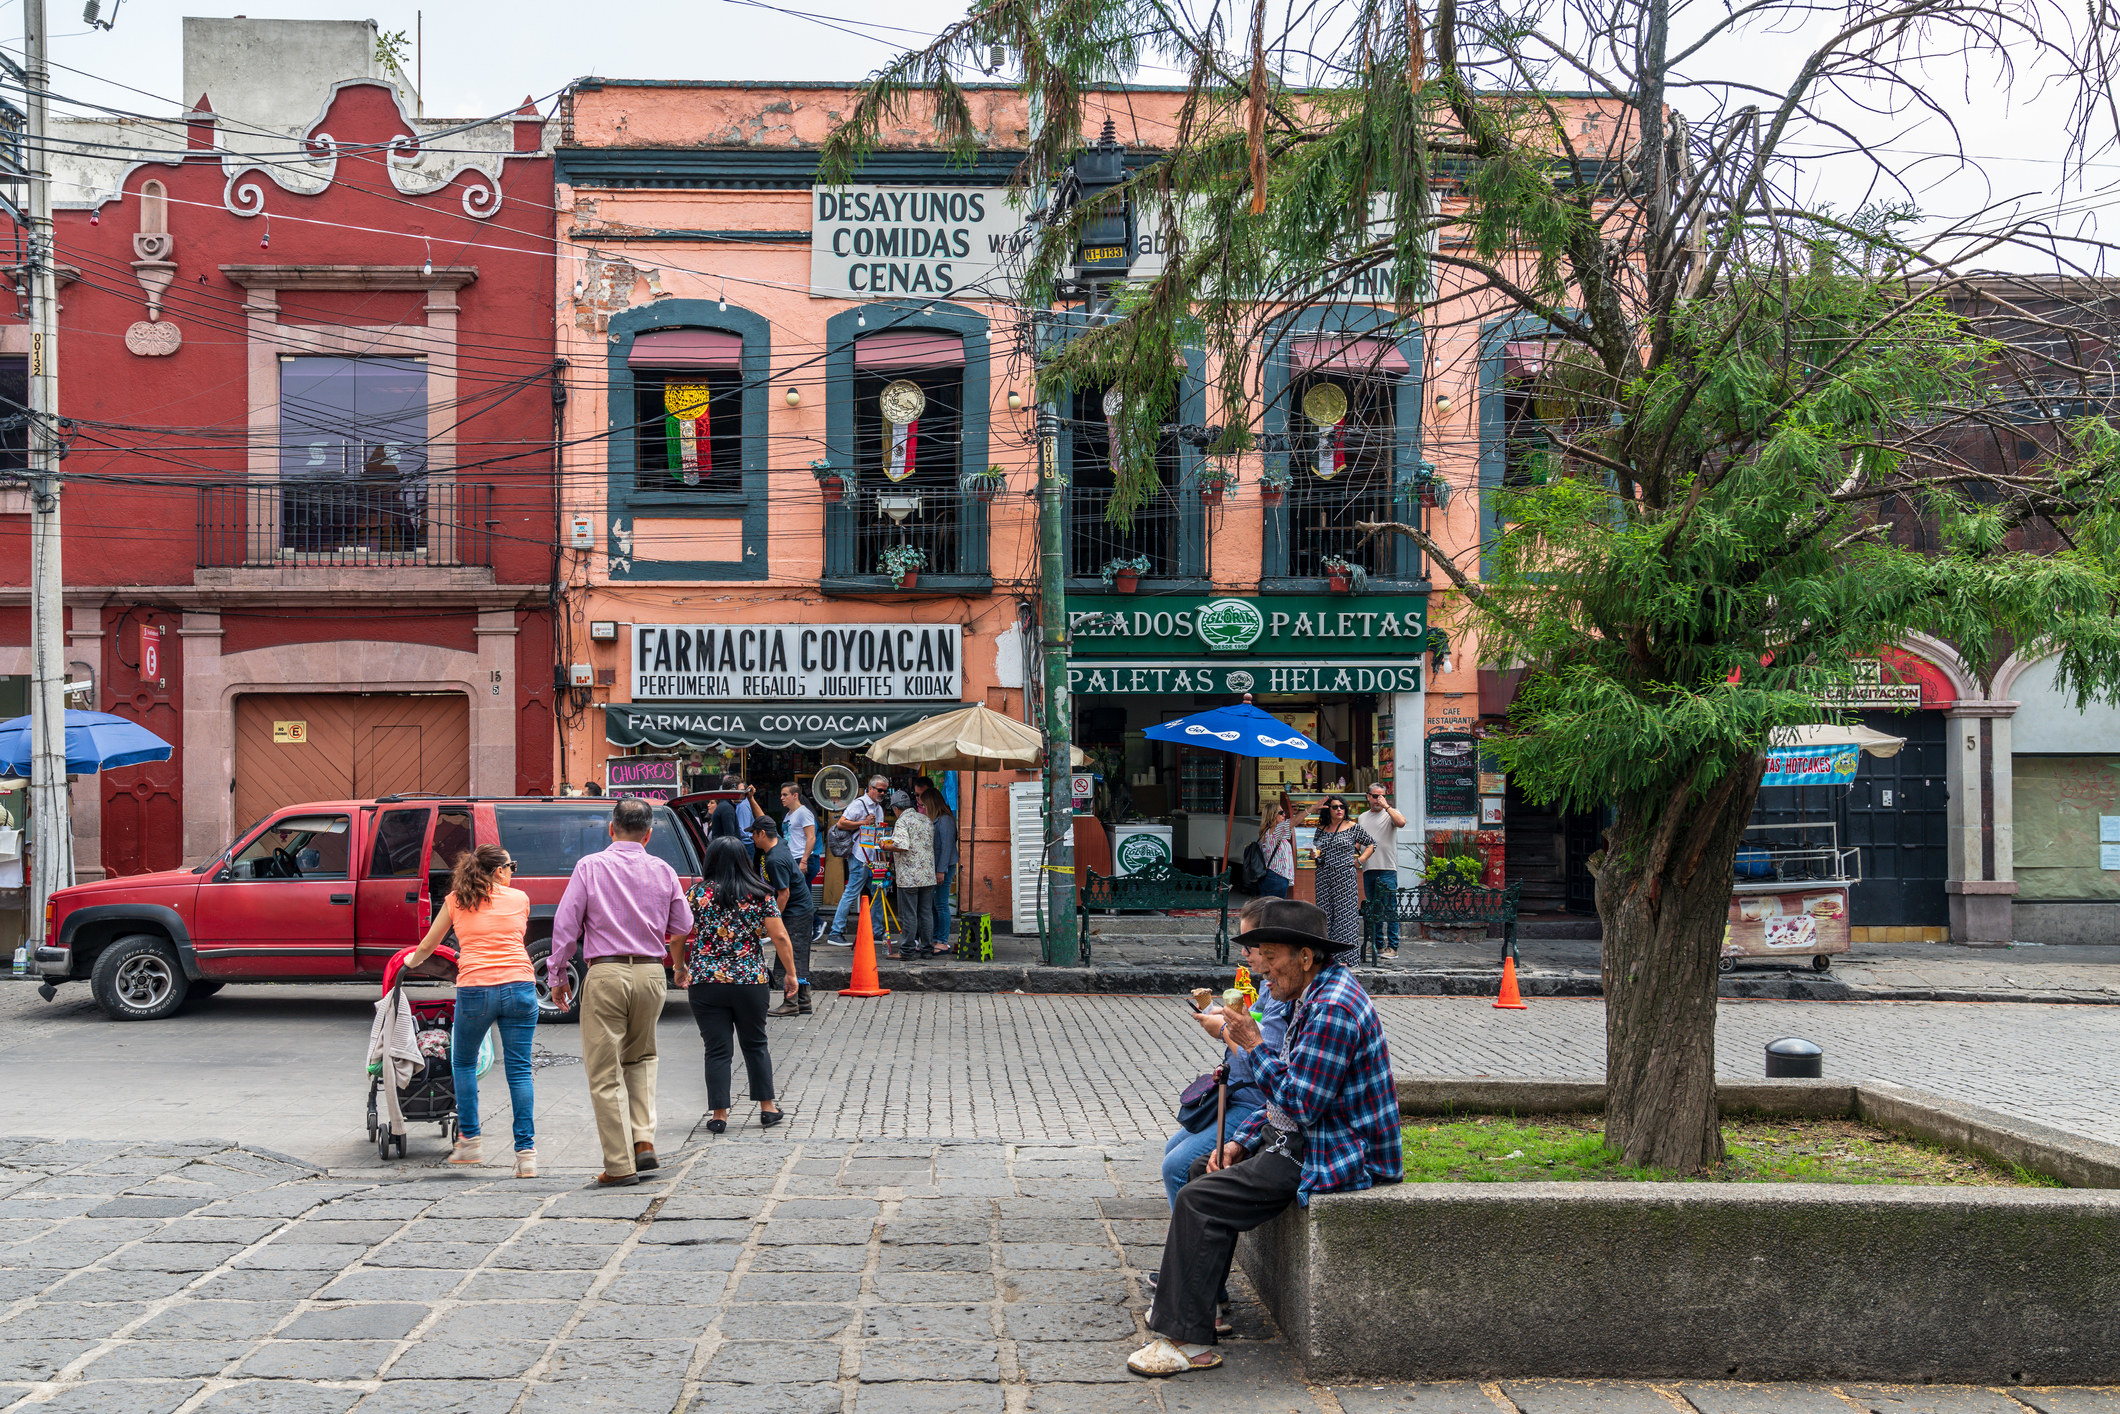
{"points": [[800, 465]]}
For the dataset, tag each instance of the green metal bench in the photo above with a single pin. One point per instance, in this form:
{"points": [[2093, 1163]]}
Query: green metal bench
{"points": [[1442, 906], [1156, 888]]}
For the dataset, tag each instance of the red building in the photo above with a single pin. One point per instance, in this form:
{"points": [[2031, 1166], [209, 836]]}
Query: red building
{"points": [[306, 348]]}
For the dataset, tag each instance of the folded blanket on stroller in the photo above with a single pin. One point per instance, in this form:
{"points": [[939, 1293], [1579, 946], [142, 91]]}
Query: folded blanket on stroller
{"points": [[394, 1044]]}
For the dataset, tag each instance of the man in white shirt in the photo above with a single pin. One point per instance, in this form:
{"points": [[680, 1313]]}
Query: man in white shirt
{"points": [[865, 810], [799, 828], [1380, 877]]}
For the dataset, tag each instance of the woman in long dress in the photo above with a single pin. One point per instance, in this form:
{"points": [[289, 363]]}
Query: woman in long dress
{"points": [[1342, 849]]}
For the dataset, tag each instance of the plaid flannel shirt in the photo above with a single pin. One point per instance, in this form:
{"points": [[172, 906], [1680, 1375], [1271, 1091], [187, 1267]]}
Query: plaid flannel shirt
{"points": [[1333, 1077]]}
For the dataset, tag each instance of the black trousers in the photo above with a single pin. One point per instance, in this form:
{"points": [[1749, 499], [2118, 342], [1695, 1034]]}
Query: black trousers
{"points": [[1212, 1209], [800, 926], [718, 1007]]}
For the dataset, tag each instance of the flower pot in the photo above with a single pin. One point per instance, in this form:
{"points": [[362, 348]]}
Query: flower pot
{"points": [[909, 579], [1125, 583], [1270, 497], [1210, 495], [983, 494], [1337, 583], [834, 490], [1428, 497]]}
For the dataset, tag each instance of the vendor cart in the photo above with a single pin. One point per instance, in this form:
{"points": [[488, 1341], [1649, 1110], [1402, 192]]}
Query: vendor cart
{"points": [[1790, 898], [1790, 895]]}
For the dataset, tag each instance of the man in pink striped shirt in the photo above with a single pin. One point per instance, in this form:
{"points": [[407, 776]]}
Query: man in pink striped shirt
{"points": [[624, 907]]}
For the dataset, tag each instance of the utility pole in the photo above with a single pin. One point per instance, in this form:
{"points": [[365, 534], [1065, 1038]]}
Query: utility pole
{"points": [[51, 819], [1061, 946]]}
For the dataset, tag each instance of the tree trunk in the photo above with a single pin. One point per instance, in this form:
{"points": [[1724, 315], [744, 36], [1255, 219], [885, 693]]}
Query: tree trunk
{"points": [[1663, 896]]}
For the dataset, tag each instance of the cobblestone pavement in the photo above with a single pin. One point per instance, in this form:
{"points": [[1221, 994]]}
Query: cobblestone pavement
{"points": [[280, 1067], [858, 1278]]}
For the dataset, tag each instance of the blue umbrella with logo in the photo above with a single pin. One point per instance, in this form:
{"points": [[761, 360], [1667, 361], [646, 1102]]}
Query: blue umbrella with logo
{"points": [[95, 741], [1241, 730]]}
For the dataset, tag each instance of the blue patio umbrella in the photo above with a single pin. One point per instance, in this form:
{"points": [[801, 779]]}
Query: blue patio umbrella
{"points": [[1242, 730], [95, 741]]}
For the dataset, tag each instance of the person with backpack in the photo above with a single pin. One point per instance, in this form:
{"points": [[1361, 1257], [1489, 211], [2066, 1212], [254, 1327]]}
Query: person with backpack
{"points": [[1271, 861], [853, 838]]}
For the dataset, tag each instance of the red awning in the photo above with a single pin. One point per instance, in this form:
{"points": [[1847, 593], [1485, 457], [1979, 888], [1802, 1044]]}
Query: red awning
{"points": [[1524, 359], [686, 348], [909, 350], [1345, 354]]}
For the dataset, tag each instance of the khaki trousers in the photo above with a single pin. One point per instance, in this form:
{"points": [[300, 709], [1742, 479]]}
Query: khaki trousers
{"points": [[621, 1003]]}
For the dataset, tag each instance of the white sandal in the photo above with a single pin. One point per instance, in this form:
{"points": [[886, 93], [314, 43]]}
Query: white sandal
{"points": [[1161, 1357]]}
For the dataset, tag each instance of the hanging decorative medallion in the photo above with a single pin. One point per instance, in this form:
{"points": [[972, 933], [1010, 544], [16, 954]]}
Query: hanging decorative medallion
{"points": [[902, 403], [686, 432], [1326, 407]]}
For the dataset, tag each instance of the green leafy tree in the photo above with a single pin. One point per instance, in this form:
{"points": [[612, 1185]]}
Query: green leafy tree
{"points": [[1750, 396]]}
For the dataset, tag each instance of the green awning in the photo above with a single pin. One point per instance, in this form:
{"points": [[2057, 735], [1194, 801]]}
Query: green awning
{"points": [[775, 725]]}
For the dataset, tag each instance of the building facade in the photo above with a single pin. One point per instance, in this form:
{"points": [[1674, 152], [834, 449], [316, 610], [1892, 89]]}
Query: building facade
{"points": [[309, 510], [801, 453]]}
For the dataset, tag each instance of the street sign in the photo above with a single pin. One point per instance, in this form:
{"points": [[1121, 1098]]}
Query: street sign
{"points": [[1085, 785], [290, 733], [150, 654]]}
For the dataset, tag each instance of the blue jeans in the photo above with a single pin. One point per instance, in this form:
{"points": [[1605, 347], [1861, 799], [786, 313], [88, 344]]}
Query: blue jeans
{"points": [[944, 880], [850, 900], [1384, 884], [1183, 1147], [512, 1006], [1272, 885]]}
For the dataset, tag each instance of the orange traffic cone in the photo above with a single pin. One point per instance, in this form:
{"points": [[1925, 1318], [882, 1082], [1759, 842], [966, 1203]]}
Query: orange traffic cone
{"points": [[865, 959], [1508, 1000]]}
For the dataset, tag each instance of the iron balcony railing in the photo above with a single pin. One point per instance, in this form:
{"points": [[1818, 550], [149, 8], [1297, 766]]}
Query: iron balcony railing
{"points": [[932, 519], [284, 524], [1093, 541]]}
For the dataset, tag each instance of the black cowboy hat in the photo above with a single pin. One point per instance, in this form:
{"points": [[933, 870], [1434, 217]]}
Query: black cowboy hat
{"points": [[1295, 924]]}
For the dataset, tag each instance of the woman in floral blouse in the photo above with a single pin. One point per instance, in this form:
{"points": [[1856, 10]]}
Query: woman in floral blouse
{"points": [[728, 976]]}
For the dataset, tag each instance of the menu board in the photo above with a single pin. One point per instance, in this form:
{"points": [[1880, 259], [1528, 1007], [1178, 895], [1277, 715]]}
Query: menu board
{"points": [[1453, 774]]}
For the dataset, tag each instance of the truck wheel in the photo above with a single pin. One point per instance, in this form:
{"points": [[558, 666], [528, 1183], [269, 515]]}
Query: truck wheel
{"points": [[137, 979], [547, 1014]]}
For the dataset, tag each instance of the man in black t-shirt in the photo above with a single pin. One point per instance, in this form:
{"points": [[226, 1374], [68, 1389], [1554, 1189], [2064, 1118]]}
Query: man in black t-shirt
{"points": [[797, 909]]}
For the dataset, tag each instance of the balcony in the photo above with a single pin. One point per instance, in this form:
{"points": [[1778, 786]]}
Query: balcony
{"points": [[947, 526], [419, 522]]}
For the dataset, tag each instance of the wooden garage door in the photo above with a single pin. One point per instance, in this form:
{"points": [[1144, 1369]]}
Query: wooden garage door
{"points": [[356, 745]]}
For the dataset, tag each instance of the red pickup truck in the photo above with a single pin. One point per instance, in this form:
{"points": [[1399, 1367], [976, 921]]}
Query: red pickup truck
{"points": [[327, 892]]}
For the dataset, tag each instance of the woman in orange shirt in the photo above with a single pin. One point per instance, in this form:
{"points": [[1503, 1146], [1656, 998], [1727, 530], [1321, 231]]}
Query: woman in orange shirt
{"points": [[495, 986]]}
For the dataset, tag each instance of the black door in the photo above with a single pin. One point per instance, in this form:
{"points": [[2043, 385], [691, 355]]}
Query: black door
{"points": [[1894, 814]]}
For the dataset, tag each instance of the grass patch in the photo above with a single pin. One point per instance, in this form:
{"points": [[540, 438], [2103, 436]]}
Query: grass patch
{"points": [[1571, 1148]]}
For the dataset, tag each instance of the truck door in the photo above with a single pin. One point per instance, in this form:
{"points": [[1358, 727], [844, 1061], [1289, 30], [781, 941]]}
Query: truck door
{"points": [[281, 908], [390, 906]]}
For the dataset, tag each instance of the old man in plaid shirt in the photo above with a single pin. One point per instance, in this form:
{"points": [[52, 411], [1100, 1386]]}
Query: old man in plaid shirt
{"points": [[1330, 1125]]}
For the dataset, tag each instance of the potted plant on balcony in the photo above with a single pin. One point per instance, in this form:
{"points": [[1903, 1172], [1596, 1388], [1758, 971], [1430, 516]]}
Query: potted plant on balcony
{"points": [[1273, 485], [829, 481], [1216, 479], [903, 563], [1123, 572], [983, 486], [1344, 576]]}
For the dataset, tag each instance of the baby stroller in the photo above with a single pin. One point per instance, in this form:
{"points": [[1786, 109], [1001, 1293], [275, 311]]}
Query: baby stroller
{"points": [[411, 1040]]}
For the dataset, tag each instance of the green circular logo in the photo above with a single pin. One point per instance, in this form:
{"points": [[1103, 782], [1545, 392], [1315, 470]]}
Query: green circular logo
{"points": [[1229, 625], [1138, 852]]}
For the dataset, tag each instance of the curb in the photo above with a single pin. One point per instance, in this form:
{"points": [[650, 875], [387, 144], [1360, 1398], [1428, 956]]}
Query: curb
{"points": [[1169, 981]]}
